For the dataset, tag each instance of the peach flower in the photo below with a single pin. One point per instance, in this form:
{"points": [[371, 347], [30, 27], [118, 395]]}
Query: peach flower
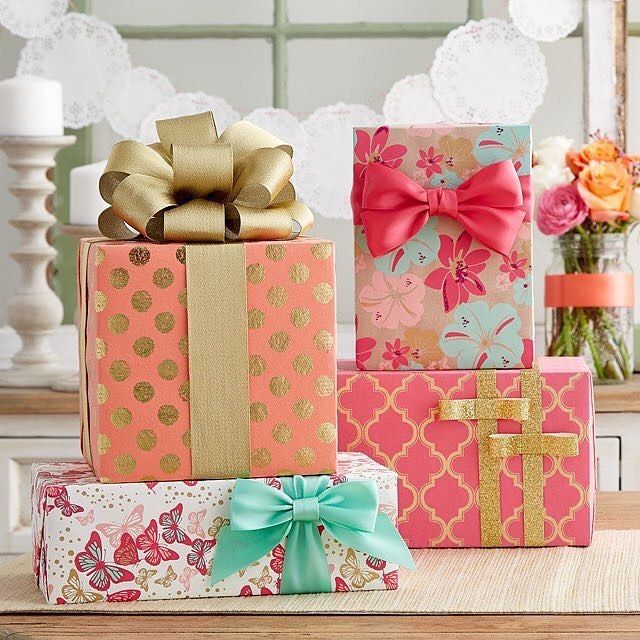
{"points": [[425, 347], [606, 189], [600, 150]]}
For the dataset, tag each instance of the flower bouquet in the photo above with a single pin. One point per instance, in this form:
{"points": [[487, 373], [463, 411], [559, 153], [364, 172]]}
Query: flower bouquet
{"points": [[590, 199]]}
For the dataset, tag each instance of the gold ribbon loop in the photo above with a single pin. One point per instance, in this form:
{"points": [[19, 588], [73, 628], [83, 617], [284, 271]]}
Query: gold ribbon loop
{"points": [[198, 220], [485, 409], [504, 445], [249, 223], [199, 171]]}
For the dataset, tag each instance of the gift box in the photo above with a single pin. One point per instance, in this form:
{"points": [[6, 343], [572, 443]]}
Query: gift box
{"points": [[157, 540], [207, 360], [484, 458], [442, 217]]}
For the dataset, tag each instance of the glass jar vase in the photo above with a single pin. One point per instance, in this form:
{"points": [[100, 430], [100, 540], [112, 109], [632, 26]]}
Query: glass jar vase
{"points": [[589, 303]]}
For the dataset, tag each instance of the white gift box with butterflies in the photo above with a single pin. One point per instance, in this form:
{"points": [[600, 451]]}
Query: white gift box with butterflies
{"points": [[98, 542]]}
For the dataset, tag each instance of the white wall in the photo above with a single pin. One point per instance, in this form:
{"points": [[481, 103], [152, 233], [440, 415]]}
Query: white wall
{"points": [[320, 72]]}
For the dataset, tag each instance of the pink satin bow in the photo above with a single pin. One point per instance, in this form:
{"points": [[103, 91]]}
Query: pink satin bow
{"points": [[393, 208]]}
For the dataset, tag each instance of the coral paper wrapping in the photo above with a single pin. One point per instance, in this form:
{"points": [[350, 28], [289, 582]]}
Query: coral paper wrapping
{"points": [[443, 299], [394, 418], [158, 538], [154, 400]]}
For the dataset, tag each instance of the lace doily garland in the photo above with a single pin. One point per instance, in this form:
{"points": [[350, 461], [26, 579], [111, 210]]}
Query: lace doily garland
{"points": [[32, 18], [487, 71], [546, 20], [411, 101], [87, 56], [133, 96]]}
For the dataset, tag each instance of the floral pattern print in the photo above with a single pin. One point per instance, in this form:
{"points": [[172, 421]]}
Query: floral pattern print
{"points": [[374, 149], [396, 354], [458, 155], [446, 180], [364, 348], [523, 290], [504, 143], [430, 161], [425, 348], [514, 265]]}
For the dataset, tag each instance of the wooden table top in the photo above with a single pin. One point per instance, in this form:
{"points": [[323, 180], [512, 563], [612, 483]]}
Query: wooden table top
{"points": [[619, 510]]}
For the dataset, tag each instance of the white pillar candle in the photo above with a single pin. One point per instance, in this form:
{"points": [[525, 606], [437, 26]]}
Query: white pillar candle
{"points": [[85, 201], [30, 106]]}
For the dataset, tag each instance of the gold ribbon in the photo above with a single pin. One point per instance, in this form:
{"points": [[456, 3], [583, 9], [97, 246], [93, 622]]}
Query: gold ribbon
{"points": [[532, 444], [194, 186]]}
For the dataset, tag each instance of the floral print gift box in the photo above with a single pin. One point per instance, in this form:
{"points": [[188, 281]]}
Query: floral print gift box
{"points": [[442, 220]]}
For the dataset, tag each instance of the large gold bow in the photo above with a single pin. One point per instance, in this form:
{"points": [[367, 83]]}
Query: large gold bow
{"points": [[195, 187]]}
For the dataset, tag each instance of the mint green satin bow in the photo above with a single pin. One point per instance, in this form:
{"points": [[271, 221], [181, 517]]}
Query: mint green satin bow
{"points": [[262, 516]]}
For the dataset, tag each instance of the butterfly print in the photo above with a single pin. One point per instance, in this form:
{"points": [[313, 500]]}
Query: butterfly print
{"points": [[126, 595], [264, 579], [170, 523], [277, 561], [190, 483], [352, 571], [132, 524], [91, 561], [341, 585], [144, 575], [149, 544], [64, 504], [216, 527], [196, 557], [274, 482], [170, 576], [390, 579], [195, 520], [375, 563], [151, 485], [74, 592], [86, 519], [127, 553], [246, 591], [338, 479], [186, 575], [243, 571]]}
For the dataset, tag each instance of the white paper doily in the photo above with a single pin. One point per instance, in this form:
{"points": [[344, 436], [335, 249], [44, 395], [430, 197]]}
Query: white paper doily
{"points": [[87, 56], [133, 97], [185, 104], [324, 180], [546, 20], [32, 18], [411, 101], [487, 71]]}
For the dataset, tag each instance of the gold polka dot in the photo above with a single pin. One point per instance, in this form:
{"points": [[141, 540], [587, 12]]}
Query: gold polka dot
{"points": [[183, 345], [300, 316], [279, 341], [257, 365], [139, 256], [260, 457], [326, 432], [182, 298], [121, 417], [99, 301], [258, 411], [143, 347], [119, 278], [279, 386], [305, 456], [143, 391], [255, 318], [282, 433], [298, 273], [141, 301], [170, 463], [255, 273], [168, 414], [303, 364], [101, 348], [277, 296], [181, 255], [324, 386], [146, 439], [163, 278], [104, 444], [167, 369], [124, 464], [322, 250], [323, 340], [118, 323], [323, 292], [98, 257], [164, 321], [102, 393], [184, 391], [119, 370], [186, 438], [275, 252], [303, 409]]}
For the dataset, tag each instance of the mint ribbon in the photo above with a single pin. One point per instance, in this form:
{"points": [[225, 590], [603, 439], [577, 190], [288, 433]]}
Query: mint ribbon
{"points": [[263, 516]]}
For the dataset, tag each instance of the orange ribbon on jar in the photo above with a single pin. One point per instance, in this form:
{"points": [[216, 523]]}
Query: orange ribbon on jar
{"points": [[589, 290]]}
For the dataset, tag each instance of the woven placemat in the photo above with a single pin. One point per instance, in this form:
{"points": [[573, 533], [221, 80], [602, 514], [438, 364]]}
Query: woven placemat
{"points": [[603, 578]]}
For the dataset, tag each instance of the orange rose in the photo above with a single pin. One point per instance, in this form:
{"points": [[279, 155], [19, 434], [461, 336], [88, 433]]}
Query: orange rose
{"points": [[606, 189], [600, 150]]}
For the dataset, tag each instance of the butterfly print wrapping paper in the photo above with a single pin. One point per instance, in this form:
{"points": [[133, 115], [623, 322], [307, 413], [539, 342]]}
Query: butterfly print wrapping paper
{"points": [[443, 299], [156, 540]]}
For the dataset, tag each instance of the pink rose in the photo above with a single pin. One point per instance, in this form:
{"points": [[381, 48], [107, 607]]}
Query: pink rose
{"points": [[560, 209]]}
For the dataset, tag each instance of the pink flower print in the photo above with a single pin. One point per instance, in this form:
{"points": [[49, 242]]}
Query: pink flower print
{"points": [[503, 282], [393, 301], [374, 149], [458, 275], [396, 353], [364, 348], [430, 161], [513, 266]]}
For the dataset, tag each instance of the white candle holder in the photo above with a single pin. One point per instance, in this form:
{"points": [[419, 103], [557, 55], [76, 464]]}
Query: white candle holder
{"points": [[34, 310]]}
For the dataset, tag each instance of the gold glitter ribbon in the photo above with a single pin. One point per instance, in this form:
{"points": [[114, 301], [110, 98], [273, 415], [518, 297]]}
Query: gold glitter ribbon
{"points": [[194, 186], [532, 444]]}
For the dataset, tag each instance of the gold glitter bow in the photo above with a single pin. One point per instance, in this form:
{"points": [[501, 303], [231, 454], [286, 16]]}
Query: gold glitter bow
{"points": [[531, 444], [194, 186]]}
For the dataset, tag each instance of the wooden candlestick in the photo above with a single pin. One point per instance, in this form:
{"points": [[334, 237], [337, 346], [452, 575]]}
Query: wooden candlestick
{"points": [[34, 310]]}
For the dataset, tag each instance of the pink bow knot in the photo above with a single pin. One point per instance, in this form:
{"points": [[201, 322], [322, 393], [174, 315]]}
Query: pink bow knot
{"points": [[442, 202]]}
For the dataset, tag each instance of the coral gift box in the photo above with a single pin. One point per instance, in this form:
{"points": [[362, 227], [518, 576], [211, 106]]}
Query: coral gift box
{"points": [[115, 542], [442, 217], [207, 360], [484, 458]]}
